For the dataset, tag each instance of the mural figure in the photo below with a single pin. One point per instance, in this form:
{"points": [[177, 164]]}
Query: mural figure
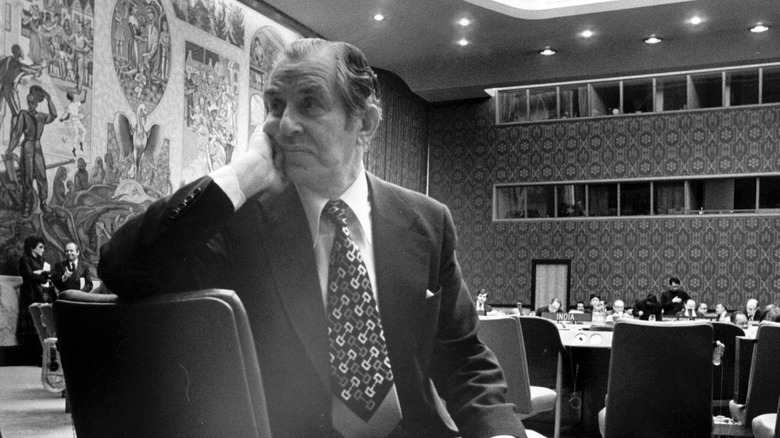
{"points": [[136, 141], [266, 46], [12, 72], [75, 116], [28, 131], [81, 178]]}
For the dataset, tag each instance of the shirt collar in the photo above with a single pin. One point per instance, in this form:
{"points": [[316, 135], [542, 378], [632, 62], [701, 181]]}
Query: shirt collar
{"points": [[356, 197]]}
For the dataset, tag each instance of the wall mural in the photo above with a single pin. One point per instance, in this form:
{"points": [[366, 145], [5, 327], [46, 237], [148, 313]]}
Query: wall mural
{"points": [[265, 48], [211, 90], [55, 181], [224, 20]]}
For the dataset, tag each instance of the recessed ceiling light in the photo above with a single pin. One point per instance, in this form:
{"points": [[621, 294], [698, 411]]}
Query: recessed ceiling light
{"points": [[379, 17], [695, 20], [547, 52], [759, 28], [463, 42], [464, 22], [653, 40], [587, 33]]}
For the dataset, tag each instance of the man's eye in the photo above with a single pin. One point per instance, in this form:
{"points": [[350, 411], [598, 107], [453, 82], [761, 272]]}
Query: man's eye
{"points": [[276, 107]]}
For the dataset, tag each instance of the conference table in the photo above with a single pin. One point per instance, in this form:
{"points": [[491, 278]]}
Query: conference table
{"points": [[590, 346]]}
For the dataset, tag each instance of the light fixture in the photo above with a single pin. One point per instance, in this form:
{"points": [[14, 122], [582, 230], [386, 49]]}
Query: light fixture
{"points": [[379, 17], [463, 41], [587, 33], [547, 52], [464, 22], [695, 20], [653, 40], [759, 28]]}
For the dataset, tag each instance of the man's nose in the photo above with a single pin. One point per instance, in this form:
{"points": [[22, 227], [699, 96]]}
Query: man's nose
{"points": [[288, 123]]}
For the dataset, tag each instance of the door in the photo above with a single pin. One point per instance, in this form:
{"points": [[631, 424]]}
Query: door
{"points": [[550, 280]]}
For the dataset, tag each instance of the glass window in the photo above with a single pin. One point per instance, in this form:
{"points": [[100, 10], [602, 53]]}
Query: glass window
{"points": [[769, 192], [638, 96], [743, 87], [574, 101], [770, 85], [706, 90], [635, 199], [513, 106], [669, 197], [605, 99], [541, 201], [510, 202], [672, 93], [602, 199], [571, 200], [544, 104]]}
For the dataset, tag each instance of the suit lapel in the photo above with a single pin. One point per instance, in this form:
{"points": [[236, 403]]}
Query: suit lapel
{"points": [[402, 267], [287, 240]]}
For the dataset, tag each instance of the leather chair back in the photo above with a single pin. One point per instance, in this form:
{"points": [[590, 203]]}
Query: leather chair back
{"points": [[723, 374], [764, 386], [175, 365], [660, 380], [503, 336]]}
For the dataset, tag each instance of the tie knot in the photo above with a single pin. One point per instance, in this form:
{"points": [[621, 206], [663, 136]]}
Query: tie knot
{"points": [[336, 212]]}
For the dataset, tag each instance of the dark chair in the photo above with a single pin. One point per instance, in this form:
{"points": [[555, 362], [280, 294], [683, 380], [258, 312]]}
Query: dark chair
{"points": [[764, 385], [767, 425], [502, 334], [175, 365], [660, 381], [546, 359], [723, 374]]}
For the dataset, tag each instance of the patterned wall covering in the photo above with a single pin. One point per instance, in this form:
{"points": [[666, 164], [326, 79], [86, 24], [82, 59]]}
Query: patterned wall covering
{"points": [[718, 258], [398, 152]]}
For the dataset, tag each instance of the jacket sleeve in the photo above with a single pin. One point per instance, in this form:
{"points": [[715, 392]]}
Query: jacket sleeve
{"points": [[87, 280], [465, 371], [174, 246]]}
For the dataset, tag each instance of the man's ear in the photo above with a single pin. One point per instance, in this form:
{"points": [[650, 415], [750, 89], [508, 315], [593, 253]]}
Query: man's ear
{"points": [[368, 124]]}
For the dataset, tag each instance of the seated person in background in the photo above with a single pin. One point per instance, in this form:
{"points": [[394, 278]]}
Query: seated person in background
{"points": [[482, 307], [673, 299], [689, 311], [72, 273], [553, 307], [581, 306], [595, 301], [722, 313], [739, 319], [773, 314], [618, 311], [644, 307], [703, 308], [752, 311]]}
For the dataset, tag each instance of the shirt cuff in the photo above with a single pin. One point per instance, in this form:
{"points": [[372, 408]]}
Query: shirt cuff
{"points": [[225, 177]]}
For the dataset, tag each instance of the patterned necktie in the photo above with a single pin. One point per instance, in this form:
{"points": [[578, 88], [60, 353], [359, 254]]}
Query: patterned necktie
{"points": [[360, 375]]}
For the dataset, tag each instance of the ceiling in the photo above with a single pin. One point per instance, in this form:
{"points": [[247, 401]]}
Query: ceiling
{"points": [[418, 39]]}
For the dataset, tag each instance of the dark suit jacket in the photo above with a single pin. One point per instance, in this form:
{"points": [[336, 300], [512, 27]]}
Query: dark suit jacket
{"points": [[647, 309], [681, 314], [670, 307], [82, 271], [264, 252]]}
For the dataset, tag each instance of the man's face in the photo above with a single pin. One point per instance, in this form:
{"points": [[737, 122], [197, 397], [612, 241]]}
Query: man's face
{"points": [[690, 304], [703, 308], [553, 307], [308, 121], [581, 306], [482, 298], [674, 285], [750, 308], [594, 301], [618, 306], [71, 252], [719, 308]]}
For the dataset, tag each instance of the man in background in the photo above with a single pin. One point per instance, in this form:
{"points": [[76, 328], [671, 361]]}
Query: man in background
{"points": [[645, 307], [752, 311], [673, 299], [482, 307], [72, 273], [689, 311]]}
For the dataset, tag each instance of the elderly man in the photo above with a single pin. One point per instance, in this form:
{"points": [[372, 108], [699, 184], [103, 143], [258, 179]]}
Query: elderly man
{"points": [[689, 311], [752, 311], [553, 307], [618, 311], [72, 273], [330, 262]]}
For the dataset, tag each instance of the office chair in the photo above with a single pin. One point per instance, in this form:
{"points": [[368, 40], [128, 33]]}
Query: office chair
{"points": [[503, 335], [175, 365], [764, 385], [660, 381], [723, 374], [767, 425]]}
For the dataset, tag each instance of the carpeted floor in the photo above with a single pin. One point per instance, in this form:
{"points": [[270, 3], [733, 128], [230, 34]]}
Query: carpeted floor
{"points": [[29, 411]]}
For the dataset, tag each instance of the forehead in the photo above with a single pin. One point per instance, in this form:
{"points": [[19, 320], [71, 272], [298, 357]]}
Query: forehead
{"points": [[315, 72], [71, 247]]}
